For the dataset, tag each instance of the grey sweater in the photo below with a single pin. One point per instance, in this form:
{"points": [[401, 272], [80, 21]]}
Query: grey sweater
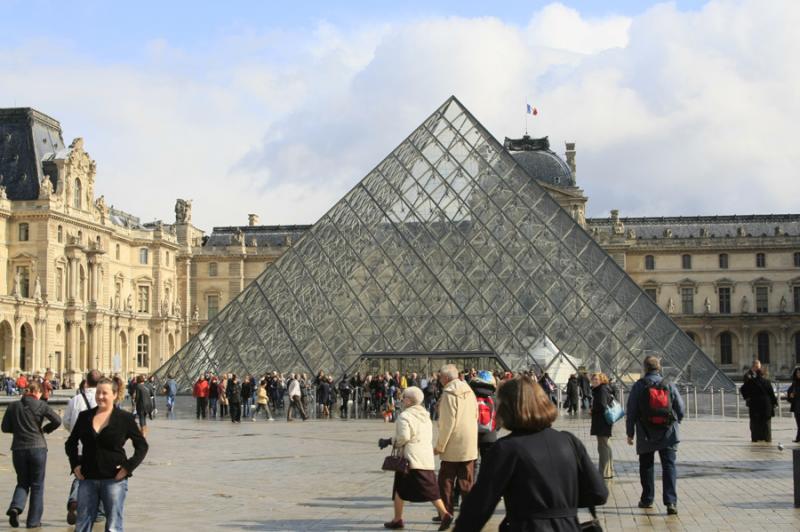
{"points": [[24, 419]]}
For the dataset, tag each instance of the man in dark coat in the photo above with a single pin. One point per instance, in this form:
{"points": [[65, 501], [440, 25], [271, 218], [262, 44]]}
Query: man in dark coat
{"points": [[573, 396], [234, 393], [650, 438], [585, 389], [761, 402]]}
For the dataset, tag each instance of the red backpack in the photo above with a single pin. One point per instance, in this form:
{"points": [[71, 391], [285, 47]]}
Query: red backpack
{"points": [[656, 404], [486, 415]]}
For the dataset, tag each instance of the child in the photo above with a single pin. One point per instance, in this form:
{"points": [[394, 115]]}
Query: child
{"points": [[262, 402]]}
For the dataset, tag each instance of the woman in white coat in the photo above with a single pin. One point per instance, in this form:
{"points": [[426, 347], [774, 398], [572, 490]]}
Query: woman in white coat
{"points": [[414, 434]]}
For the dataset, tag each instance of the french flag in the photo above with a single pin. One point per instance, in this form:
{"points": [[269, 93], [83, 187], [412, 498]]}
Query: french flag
{"points": [[532, 110]]}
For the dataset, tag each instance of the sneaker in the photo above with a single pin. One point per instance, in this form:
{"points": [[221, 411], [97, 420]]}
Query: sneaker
{"points": [[672, 509], [447, 520], [252, 419], [72, 513], [13, 517], [271, 419], [643, 504]]}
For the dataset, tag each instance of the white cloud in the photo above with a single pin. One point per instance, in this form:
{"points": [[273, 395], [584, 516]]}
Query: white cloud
{"points": [[673, 112]]}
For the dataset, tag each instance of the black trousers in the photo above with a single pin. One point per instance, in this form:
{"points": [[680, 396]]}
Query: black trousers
{"points": [[797, 422], [760, 428], [202, 407], [236, 412]]}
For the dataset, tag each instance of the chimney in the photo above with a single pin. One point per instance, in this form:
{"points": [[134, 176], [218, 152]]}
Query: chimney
{"points": [[570, 153], [252, 219]]}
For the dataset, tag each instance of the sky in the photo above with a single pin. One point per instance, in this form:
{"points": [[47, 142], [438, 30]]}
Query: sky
{"points": [[273, 108]]}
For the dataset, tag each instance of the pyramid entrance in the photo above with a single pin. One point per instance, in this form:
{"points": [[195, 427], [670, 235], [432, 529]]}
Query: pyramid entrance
{"points": [[447, 245]]}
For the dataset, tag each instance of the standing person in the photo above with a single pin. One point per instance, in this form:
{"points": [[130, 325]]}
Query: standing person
{"points": [[247, 395], [585, 390], [170, 390], [344, 394], [601, 399], [413, 437], [483, 385], [213, 397], [549, 386], [750, 373], [323, 396], [234, 392], [142, 401], [24, 419], [793, 396], [655, 409], [47, 386], [104, 468], [223, 396], [542, 474], [200, 392], [294, 399], [151, 388], [457, 445], [761, 402], [573, 396], [83, 400]]}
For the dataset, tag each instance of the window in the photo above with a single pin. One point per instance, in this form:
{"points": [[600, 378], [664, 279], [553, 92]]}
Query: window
{"points": [[212, 269], [144, 299], [686, 261], [98, 242], [797, 259], [167, 258], [649, 262], [213, 305], [23, 232], [762, 299], [687, 300], [143, 351], [143, 256], [76, 194], [762, 341], [60, 234], [796, 293], [23, 279], [761, 260], [116, 251], [59, 284], [723, 261], [651, 292], [725, 349], [724, 299]]}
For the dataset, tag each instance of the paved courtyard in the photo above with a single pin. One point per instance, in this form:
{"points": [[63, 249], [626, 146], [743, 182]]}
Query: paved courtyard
{"points": [[325, 475]]}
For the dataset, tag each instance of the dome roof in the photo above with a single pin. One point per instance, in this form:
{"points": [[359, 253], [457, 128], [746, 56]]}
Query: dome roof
{"points": [[535, 156]]}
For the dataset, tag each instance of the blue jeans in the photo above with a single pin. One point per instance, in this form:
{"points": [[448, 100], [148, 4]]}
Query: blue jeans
{"points": [[246, 407], [669, 475], [170, 402], [212, 406], [29, 465], [112, 494]]}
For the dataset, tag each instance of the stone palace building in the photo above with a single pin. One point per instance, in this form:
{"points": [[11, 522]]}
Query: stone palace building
{"points": [[83, 284]]}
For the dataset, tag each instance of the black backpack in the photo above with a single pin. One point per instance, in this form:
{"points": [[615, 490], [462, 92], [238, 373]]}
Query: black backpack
{"points": [[655, 404]]}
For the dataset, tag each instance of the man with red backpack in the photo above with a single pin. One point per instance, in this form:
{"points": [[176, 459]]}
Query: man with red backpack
{"points": [[483, 384], [654, 411]]}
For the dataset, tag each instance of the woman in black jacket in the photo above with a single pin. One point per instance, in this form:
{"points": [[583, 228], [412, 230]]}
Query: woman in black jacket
{"points": [[103, 468], [793, 396], [234, 392], [601, 399], [542, 474], [761, 401]]}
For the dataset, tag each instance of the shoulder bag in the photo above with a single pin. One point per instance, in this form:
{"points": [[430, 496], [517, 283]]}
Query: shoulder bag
{"points": [[614, 412], [396, 461]]}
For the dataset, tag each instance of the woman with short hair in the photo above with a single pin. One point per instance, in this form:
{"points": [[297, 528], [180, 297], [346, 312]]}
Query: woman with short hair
{"points": [[601, 400], [414, 436], [103, 468], [541, 473]]}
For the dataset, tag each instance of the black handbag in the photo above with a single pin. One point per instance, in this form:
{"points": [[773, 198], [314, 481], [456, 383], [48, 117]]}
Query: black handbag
{"points": [[588, 526], [593, 525], [396, 462]]}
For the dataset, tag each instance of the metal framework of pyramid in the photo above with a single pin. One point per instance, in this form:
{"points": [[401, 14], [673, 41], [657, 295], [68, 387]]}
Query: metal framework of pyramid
{"points": [[447, 245]]}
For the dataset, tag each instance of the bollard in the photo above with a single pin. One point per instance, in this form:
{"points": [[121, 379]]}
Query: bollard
{"points": [[687, 399], [695, 402], [622, 396], [712, 400], [558, 398], [780, 408], [796, 464], [737, 405], [722, 400]]}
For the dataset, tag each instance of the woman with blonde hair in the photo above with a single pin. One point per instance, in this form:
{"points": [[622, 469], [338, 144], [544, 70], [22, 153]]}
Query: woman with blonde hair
{"points": [[542, 474], [601, 399], [414, 435]]}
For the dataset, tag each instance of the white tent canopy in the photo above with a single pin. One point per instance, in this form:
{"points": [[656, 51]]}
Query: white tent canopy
{"points": [[558, 365]]}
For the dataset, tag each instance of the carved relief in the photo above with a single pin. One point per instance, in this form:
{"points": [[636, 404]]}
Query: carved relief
{"points": [[80, 166]]}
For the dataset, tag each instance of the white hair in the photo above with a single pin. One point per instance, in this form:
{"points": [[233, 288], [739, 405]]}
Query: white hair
{"points": [[414, 394], [449, 371]]}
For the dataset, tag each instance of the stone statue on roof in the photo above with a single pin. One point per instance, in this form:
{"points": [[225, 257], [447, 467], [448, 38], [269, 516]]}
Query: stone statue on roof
{"points": [[183, 211], [45, 188]]}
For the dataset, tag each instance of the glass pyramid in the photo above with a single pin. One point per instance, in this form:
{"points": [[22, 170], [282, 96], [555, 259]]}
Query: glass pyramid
{"points": [[447, 245]]}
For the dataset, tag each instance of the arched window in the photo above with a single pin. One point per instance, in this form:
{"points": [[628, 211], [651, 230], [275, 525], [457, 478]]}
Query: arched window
{"points": [[725, 349], [762, 341], [143, 351], [649, 262], [76, 194], [24, 232], [60, 234]]}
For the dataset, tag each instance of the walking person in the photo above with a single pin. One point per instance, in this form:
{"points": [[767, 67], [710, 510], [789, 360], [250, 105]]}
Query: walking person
{"points": [[323, 396], [585, 390], [234, 392], [654, 411], [793, 396], [601, 399], [573, 396], [200, 392], [344, 395], [483, 385], [542, 474], [104, 468], [294, 399], [262, 402], [24, 419], [457, 444], [143, 405], [761, 402], [413, 436], [170, 390]]}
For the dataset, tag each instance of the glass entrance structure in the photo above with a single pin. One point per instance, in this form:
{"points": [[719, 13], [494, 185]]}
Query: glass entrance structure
{"points": [[447, 245]]}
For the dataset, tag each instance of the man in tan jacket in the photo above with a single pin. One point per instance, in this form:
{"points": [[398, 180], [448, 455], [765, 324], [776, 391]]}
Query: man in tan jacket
{"points": [[457, 444]]}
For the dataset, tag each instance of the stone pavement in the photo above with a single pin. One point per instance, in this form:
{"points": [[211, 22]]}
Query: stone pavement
{"points": [[325, 475]]}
